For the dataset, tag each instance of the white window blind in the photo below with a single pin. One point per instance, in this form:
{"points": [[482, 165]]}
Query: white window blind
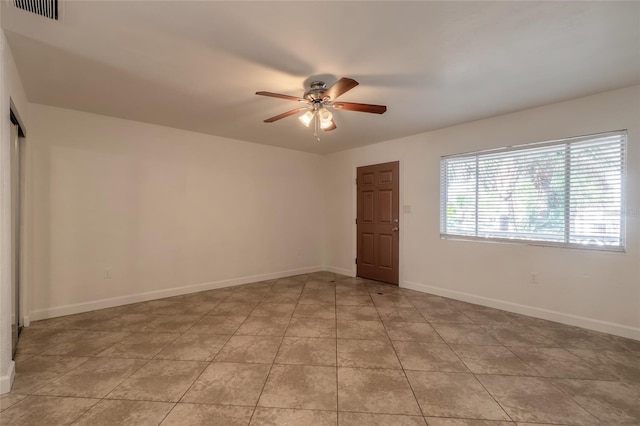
{"points": [[567, 193]]}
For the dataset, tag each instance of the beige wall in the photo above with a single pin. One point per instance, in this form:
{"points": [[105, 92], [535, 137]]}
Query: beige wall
{"points": [[599, 290], [10, 90], [167, 211]]}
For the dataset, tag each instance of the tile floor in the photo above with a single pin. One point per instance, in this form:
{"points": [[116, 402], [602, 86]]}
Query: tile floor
{"points": [[319, 349]]}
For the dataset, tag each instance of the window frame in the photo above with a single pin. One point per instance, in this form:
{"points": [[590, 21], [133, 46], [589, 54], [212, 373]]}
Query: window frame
{"points": [[621, 248]]}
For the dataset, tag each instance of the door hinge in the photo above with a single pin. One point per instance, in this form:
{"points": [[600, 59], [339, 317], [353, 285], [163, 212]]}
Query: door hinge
{"points": [[356, 260], [356, 181], [356, 220]]}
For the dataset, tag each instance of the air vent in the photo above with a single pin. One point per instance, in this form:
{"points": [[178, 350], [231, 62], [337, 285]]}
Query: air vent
{"points": [[46, 8]]}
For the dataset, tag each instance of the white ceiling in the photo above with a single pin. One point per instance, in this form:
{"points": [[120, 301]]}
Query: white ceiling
{"points": [[196, 65]]}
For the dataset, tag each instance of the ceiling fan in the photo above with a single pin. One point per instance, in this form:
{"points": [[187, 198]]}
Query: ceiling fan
{"points": [[318, 100]]}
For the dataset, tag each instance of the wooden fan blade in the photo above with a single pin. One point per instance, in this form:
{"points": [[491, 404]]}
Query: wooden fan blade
{"points": [[281, 96], [341, 87], [353, 106], [332, 127], [284, 115]]}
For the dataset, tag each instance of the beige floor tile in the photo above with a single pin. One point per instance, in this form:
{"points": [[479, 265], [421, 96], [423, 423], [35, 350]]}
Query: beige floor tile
{"points": [[425, 356], [441, 421], [464, 334], [38, 340], [558, 362], [286, 297], [159, 380], [300, 386], [263, 326], [245, 296], [453, 395], [412, 332], [624, 366], [286, 416], [367, 354], [256, 349], [194, 347], [87, 343], [369, 330], [317, 299], [207, 415], [492, 360], [578, 338], [375, 391], [290, 286], [233, 308], [94, 378], [314, 285], [83, 321], [197, 309], [139, 345], [312, 327], [307, 351], [352, 290], [211, 296], [613, 403], [354, 300], [360, 419], [46, 410], [112, 412], [229, 384], [532, 399], [357, 313], [125, 322], [623, 343], [445, 315], [532, 424], [392, 314], [315, 311], [483, 315], [273, 310], [170, 323], [217, 324], [517, 335], [37, 371], [432, 303], [390, 300], [9, 399]]}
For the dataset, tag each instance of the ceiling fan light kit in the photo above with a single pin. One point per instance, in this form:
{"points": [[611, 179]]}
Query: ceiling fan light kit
{"points": [[319, 99]]}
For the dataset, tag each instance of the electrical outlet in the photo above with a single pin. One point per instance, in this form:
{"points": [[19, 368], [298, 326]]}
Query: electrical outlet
{"points": [[534, 278], [107, 273]]}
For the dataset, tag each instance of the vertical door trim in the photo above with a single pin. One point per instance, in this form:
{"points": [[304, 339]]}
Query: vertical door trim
{"points": [[354, 213]]}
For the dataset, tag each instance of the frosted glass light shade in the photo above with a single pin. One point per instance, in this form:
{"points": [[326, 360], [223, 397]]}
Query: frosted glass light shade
{"points": [[306, 118]]}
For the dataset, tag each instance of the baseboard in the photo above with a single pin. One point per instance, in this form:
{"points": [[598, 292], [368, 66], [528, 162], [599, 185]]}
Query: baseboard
{"points": [[6, 381], [341, 271], [26, 321], [575, 320], [78, 308]]}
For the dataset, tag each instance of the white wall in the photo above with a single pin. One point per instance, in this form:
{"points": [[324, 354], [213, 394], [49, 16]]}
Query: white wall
{"points": [[10, 90], [599, 290], [167, 211]]}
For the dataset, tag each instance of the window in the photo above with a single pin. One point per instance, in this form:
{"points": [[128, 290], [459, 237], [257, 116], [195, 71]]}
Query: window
{"points": [[567, 193]]}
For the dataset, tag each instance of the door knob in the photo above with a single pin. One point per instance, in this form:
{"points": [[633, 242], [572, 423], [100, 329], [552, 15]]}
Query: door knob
{"points": [[394, 229]]}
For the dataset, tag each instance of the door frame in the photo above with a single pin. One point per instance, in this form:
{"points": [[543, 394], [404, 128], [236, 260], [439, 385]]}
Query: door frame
{"points": [[354, 213], [25, 218]]}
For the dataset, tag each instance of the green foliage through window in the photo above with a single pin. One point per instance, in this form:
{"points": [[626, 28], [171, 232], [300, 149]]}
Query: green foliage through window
{"points": [[567, 192]]}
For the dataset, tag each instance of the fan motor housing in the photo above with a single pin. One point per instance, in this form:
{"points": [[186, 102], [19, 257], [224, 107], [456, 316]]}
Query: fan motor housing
{"points": [[317, 90]]}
